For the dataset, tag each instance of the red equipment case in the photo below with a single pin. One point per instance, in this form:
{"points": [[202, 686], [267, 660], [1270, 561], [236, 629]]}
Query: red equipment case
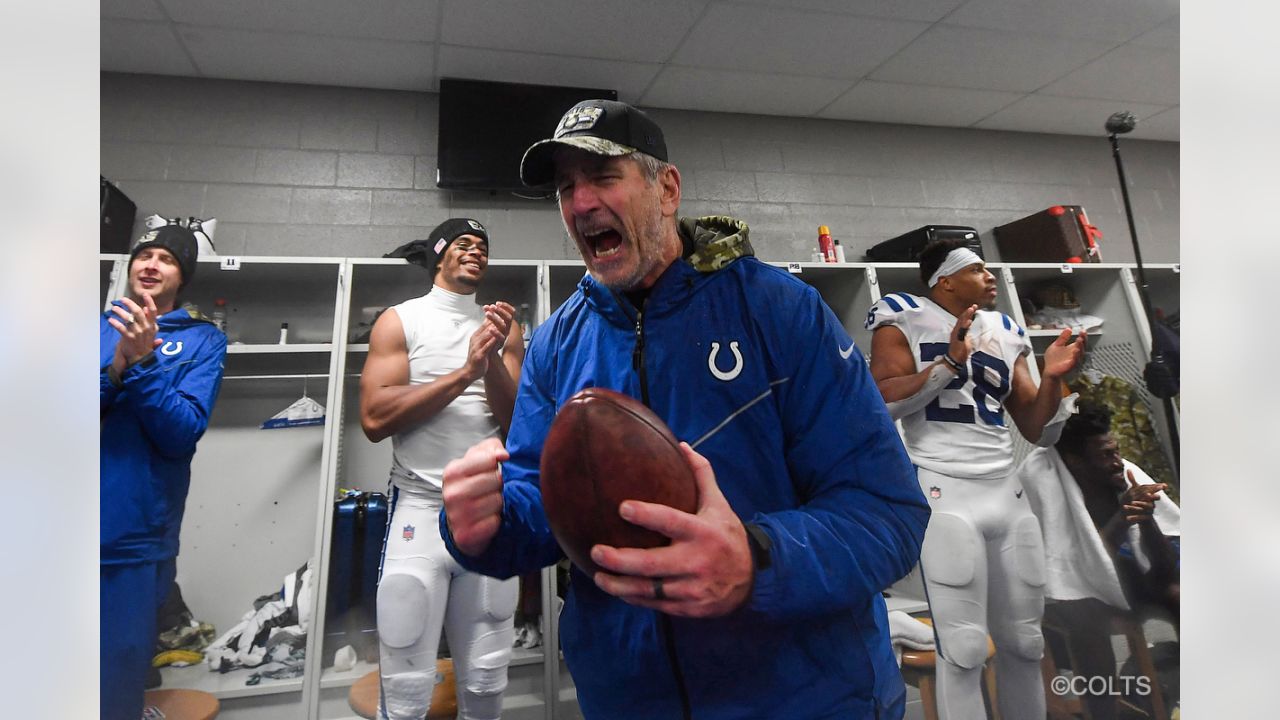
{"points": [[1058, 234]]}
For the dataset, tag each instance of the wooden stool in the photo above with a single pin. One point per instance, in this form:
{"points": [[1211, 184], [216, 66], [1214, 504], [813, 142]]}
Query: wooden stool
{"points": [[363, 697], [182, 704], [1068, 707], [919, 669]]}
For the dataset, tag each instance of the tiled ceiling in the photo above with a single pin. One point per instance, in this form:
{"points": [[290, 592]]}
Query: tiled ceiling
{"points": [[1023, 65]]}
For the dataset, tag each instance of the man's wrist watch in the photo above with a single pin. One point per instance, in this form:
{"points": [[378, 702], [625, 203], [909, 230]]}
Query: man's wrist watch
{"points": [[761, 546]]}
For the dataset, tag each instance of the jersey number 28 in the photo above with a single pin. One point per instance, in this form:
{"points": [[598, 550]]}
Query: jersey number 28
{"points": [[984, 369]]}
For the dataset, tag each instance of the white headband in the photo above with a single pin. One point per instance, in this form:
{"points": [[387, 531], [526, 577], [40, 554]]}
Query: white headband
{"points": [[956, 260]]}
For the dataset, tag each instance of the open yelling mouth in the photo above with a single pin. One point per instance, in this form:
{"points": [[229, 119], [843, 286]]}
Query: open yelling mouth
{"points": [[603, 243]]}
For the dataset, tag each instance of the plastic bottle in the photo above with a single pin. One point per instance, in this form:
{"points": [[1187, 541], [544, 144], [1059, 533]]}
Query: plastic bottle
{"points": [[839, 251], [219, 314], [825, 246], [284, 333]]}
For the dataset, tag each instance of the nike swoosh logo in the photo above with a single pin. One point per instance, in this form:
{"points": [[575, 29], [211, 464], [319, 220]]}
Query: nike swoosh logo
{"points": [[1018, 494], [844, 354]]}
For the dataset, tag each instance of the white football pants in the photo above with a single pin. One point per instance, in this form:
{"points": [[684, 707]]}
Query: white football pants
{"points": [[984, 572], [422, 589]]}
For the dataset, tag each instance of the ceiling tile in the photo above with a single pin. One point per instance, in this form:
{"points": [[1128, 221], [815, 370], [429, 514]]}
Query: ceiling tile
{"points": [[924, 10], [1128, 73], [1068, 116], [1115, 21], [142, 47], [917, 105], [796, 42], [279, 57], [640, 31], [774, 57], [629, 79], [1161, 126], [130, 9], [725, 91], [987, 59], [1165, 35], [413, 20]]}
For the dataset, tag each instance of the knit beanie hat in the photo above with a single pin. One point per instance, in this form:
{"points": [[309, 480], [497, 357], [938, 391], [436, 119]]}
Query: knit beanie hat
{"points": [[428, 251], [179, 241]]}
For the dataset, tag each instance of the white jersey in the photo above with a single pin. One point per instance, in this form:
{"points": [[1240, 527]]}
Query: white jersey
{"points": [[963, 431], [437, 332]]}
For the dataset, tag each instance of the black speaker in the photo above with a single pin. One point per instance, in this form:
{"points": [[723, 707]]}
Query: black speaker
{"points": [[118, 213]]}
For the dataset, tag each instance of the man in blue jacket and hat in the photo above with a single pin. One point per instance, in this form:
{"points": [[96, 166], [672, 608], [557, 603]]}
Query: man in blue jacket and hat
{"points": [[160, 370], [767, 602]]}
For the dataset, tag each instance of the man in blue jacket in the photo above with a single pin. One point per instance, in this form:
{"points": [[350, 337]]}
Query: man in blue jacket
{"points": [[160, 373], [767, 602]]}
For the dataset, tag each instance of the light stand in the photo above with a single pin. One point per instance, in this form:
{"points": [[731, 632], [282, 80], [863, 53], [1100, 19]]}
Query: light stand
{"points": [[1157, 374]]}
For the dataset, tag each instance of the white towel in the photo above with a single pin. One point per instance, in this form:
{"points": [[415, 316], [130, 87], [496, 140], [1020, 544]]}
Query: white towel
{"points": [[908, 632], [1077, 563]]}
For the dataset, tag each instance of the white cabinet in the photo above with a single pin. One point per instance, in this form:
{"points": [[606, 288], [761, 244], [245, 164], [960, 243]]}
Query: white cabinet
{"points": [[558, 281], [1121, 347], [255, 510], [112, 270]]}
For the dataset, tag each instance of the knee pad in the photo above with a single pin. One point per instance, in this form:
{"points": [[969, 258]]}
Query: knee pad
{"points": [[1029, 551], [403, 605], [964, 646], [950, 550], [1028, 641], [490, 655]]}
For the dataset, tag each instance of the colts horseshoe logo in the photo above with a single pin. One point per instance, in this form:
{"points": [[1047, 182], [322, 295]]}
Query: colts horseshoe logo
{"points": [[171, 348], [737, 362]]}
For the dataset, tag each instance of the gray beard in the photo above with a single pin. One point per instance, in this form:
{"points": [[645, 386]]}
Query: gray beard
{"points": [[649, 248], [649, 259]]}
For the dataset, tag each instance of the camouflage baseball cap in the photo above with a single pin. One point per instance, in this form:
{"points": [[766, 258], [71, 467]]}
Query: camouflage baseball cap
{"points": [[602, 127]]}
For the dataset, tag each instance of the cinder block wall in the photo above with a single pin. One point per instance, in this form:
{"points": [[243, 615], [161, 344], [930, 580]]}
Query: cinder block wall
{"points": [[307, 170]]}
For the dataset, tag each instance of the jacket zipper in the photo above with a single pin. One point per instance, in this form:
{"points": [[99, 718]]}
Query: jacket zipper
{"points": [[637, 357], [664, 621], [668, 635]]}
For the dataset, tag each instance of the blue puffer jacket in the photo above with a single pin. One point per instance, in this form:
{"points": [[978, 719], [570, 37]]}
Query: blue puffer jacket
{"points": [[150, 426], [801, 444]]}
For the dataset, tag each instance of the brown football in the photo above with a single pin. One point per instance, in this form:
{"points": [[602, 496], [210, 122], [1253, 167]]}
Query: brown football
{"points": [[605, 447]]}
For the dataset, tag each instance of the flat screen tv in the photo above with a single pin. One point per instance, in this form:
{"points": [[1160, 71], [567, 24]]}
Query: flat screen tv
{"points": [[485, 127]]}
